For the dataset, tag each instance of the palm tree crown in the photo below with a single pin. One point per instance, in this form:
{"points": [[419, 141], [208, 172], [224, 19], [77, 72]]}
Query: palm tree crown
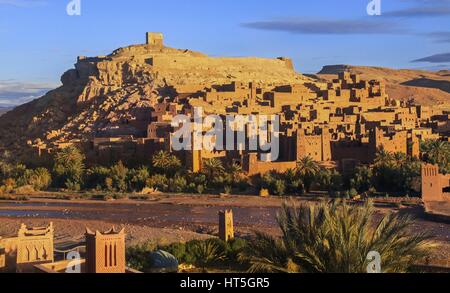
{"points": [[336, 238]]}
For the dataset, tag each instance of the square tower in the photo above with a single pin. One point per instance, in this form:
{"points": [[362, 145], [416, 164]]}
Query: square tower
{"points": [[105, 252], [226, 227], [155, 39], [34, 246]]}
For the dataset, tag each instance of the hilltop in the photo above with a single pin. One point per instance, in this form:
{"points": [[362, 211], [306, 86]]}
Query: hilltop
{"points": [[101, 92], [114, 95]]}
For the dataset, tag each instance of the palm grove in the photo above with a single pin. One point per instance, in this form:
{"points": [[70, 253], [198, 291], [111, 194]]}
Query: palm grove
{"points": [[328, 237], [393, 174]]}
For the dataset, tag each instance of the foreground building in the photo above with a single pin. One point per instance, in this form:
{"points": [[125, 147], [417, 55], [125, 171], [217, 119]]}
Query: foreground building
{"points": [[32, 251]]}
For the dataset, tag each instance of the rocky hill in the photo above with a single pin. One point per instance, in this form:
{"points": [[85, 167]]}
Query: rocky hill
{"points": [[111, 95], [425, 87], [102, 92]]}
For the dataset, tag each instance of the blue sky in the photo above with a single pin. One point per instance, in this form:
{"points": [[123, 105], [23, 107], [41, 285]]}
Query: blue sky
{"points": [[39, 41]]}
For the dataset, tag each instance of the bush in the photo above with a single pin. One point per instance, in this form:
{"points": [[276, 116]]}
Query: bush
{"points": [[159, 182], [137, 178], [274, 182], [9, 184], [96, 177], [40, 179], [119, 177], [26, 189], [200, 189], [73, 186], [279, 187], [178, 184], [353, 192], [227, 190]]}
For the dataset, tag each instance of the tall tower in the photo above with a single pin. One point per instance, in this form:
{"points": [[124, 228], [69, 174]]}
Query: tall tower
{"points": [[226, 227], [155, 39], [34, 246], [105, 252]]}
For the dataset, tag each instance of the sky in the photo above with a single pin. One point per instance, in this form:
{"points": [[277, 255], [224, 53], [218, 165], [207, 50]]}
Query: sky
{"points": [[39, 40]]}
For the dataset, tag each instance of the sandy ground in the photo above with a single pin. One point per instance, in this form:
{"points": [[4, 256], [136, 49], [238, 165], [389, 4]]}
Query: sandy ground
{"points": [[167, 219]]}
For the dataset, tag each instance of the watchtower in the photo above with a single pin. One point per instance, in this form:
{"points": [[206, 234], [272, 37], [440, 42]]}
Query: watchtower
{"points": [[155, 39], [432, 183], [34, 246], [226, 228], [105, 252]]}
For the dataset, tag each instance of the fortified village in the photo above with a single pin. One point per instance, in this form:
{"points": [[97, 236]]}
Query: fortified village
{"points": [[340, 123]]}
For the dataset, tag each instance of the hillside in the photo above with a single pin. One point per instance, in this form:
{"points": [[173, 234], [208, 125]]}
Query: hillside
{"points": [[101, 93], [425, 87]]}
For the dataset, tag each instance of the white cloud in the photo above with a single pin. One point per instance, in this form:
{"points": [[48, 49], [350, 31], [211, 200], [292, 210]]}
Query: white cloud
{"points": [[14, 93], [23, 3]]}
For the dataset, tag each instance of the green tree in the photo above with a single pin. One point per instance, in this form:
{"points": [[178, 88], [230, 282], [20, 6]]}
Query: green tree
{"points": [[336, 238], [40, 179], [118, 174], [362, 179], [307, 170], [330, 180], [96, 177], [213, 168], [68, 167], [137, 178], [206, 253], [235, 172], [166, 163], [438, 153], [383, 158]]}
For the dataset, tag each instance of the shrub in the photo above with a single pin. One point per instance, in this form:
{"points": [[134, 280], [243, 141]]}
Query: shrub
{"points": [[353, 192], [279, 187], [200, 189], [264, 192], [119, 176], [109, 184], [26, 189], [137, 178], [73, 186], [159, 182], [227, 189], [206, 253], [274, 182], [96, 177], [9, 184], [40, 179], [178, 184]]}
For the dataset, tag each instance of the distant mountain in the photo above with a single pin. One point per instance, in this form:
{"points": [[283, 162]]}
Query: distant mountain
{"points": [[426, 87]]}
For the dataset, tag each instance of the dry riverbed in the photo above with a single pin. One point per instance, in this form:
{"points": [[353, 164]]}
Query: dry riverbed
{"points": [[174, 218]]}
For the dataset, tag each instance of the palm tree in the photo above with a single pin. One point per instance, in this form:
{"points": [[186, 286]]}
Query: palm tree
{"points": [[307, 170], [437, 152], [207, 253], [383, 158], [213, 168], [165, 163], [69, 165], [235, 171], [336, 238]]}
